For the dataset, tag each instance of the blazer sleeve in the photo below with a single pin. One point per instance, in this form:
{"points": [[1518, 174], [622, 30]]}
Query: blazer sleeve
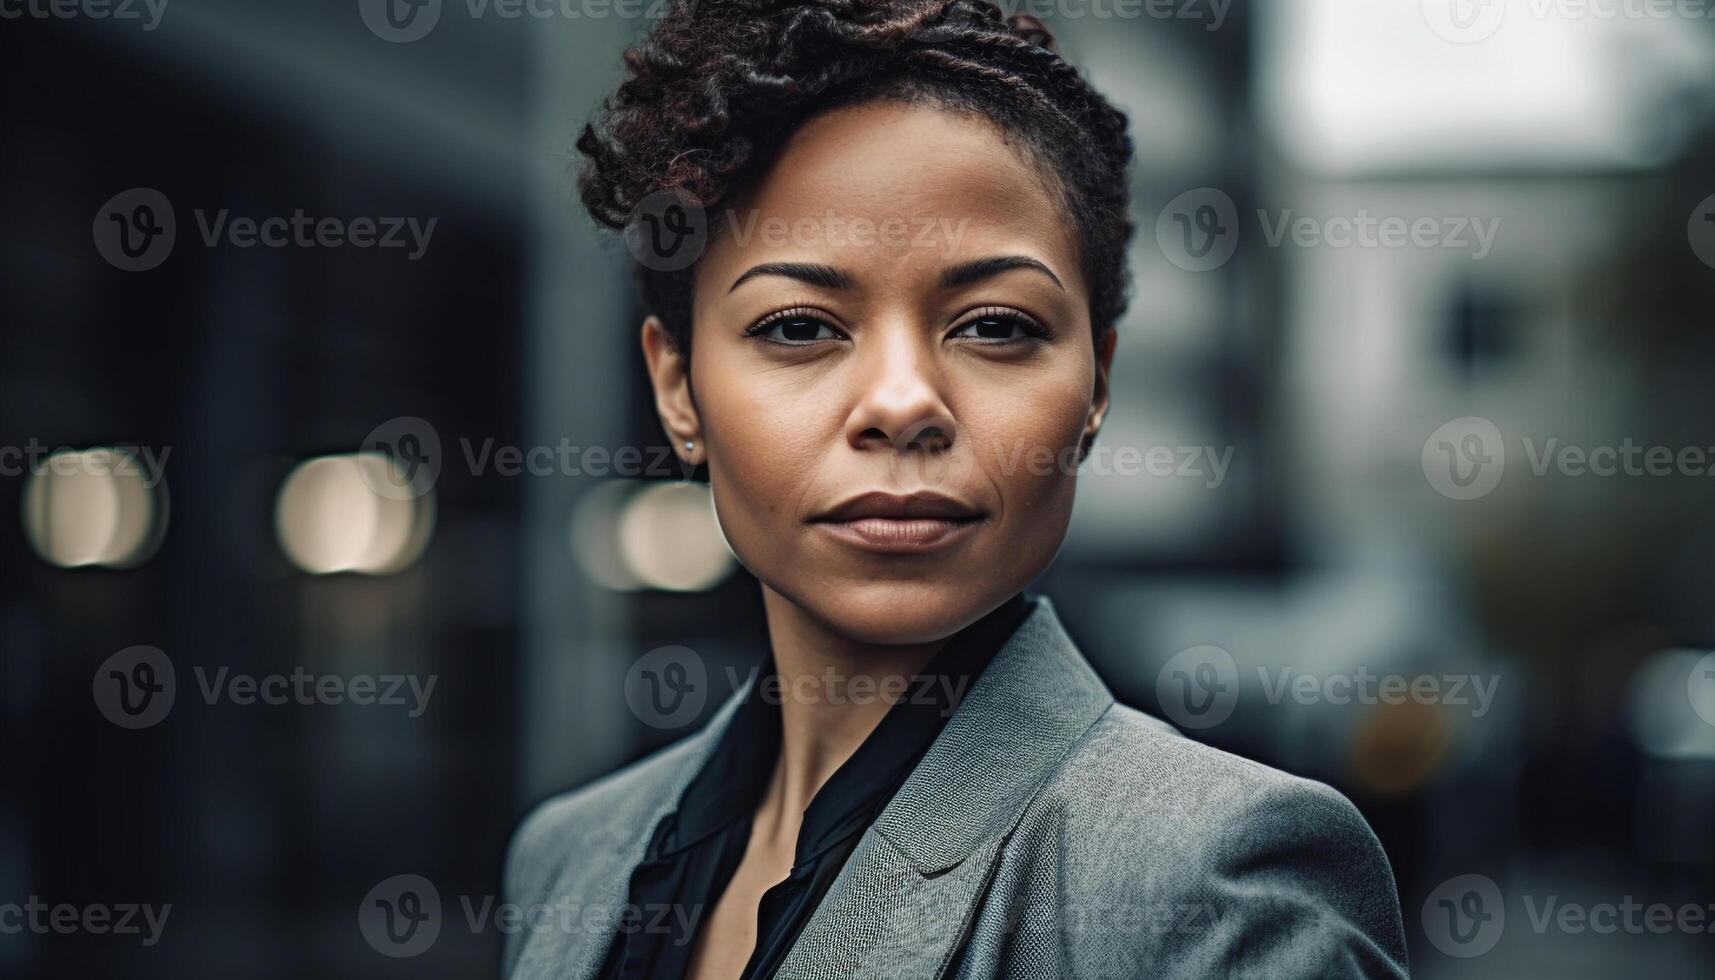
{"points": [[533, 857], [1294, 884]]}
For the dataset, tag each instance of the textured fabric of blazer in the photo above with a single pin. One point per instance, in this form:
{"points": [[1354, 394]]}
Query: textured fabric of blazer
{"points": [[1048, 832]]}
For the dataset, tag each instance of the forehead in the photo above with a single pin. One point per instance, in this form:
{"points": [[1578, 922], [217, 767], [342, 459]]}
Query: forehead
{"points": [[893, 186]]}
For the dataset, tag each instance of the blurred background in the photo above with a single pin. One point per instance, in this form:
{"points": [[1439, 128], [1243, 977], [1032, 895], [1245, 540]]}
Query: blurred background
{"points": [[1422, 318]]}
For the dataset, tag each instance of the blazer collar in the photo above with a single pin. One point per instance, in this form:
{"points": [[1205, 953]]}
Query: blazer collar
{"points": [[905, 899], [1037, 697], [932, 847]]}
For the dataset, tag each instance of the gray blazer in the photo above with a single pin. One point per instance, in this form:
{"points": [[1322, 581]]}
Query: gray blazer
{"points": [[1048, 832]]}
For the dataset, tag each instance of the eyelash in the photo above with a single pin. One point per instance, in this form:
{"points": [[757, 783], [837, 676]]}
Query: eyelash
{"points": [[761, 327], [1032, 329]]}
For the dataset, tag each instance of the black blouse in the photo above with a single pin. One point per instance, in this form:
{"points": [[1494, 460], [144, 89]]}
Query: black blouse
{"points": [[696, 849]]}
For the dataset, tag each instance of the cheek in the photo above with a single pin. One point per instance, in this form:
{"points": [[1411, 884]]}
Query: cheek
{"points": [[1027, 445], [765, 437]]}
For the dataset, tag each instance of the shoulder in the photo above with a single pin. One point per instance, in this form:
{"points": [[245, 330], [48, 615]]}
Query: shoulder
{"points": [[1134, 767], [1248, 868], [608, 810]]}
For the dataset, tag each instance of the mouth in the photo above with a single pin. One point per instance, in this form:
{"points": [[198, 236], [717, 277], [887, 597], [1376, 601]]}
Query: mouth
{"points": [[900, 524]]}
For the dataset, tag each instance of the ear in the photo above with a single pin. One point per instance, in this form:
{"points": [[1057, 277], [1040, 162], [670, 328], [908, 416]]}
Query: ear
{"points": [[1099, 399], [670, 375]]}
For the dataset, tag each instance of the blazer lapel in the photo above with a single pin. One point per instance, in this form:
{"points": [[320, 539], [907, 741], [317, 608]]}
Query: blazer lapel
{"points": [[601, 875], [903, 903]]}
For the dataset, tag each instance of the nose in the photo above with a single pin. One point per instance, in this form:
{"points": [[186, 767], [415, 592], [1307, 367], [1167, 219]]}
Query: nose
{"points": [[900, 403]]}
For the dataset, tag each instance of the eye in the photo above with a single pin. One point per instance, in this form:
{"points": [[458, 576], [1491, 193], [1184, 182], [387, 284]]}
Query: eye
{"points": [[794, 328], [999, 326]]}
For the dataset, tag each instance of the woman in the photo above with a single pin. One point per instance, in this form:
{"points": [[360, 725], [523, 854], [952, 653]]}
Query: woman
{"points": [[890, 347]]}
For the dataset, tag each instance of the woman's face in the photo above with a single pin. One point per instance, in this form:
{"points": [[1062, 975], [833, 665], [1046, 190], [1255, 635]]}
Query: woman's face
{"points": [[892, 370]]}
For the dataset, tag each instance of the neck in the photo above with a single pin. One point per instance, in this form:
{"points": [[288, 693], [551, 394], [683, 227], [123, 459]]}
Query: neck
{"points": [[834, 691]]}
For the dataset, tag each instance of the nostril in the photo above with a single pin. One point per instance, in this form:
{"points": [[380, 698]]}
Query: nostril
{"points": [[931, 437], [874, 435]]}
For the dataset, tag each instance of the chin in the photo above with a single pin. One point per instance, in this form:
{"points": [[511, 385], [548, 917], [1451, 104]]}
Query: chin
{"points": [[900, 612]]}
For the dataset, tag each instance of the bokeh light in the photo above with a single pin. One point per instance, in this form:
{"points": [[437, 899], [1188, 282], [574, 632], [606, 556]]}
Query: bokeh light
{"points": [[98, 507], [329, 519]]}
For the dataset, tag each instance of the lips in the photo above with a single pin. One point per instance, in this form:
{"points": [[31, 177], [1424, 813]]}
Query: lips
{"points": [[900, 507], [900, 524]]}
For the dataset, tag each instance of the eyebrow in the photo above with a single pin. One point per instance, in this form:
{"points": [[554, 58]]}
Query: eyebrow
{"points": [[964, 274], [970, 272], [825, 276]]}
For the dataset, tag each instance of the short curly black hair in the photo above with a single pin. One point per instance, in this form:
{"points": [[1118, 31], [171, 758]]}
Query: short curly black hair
{"points": [[716, 86]]}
